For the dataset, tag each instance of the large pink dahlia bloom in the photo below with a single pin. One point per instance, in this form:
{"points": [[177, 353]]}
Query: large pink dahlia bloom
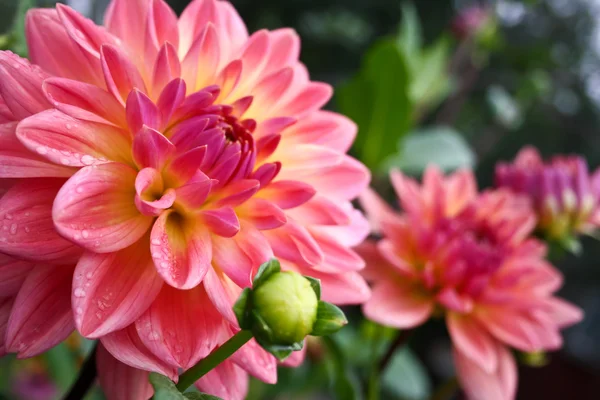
{"points": [[172, 157], [467, 257]]}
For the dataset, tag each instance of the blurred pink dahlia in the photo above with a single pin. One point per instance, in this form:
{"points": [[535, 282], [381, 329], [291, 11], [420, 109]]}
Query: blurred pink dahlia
{"points": [[173, 156], [565, 196], [468, 257]]}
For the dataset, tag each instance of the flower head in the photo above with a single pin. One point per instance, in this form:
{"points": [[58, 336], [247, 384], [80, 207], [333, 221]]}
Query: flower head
{"points": [[168, 158], [476, 266], [562, 191]]}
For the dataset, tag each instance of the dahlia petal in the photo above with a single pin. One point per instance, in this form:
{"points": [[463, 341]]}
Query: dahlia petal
{"points": [[563, 313], [241, 256], [256, 361], [223, 293], [166, 68], [237, 192], [319, 210], [27, 228], [195, 102], [254, 59], [287, 194], [21, 85], [480, 385], [185, 167], [141, 111], [161, 27], [193, 194], [6, 115], [72, 142], [285, 49], [84, 101], [398, 305], [151, 149], [181, 249], [41, 316], [199, 66], [221, 221], [268, 93], [170, 98], [52, 48], [275, 125], [266, 173], [314, 96], [324, 128], [344, 181], [12, 274], [263, 214], [337, 257], [96, 208], [121, 75], [295, 359], [120, 381], [87, 35], [376, 268], [126, 346], [5, 309], [181, 326], [344, 288], [461, 189], [227, 381], [473, 341], [16, 161], [512, 328], [147, 183], [306, 157], [376, 209], [228, 78], [110, 291], [118, 20], [294, 243]]}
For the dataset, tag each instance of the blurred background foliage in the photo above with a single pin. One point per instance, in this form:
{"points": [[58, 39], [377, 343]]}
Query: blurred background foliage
{"points": [[425, 84]]}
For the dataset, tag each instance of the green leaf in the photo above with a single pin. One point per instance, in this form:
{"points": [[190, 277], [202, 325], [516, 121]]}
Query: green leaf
{"points": [[265, 271], [19, 45], [442, 146], [164, 388], [280, 352], [316, 285], [240, 309], [330, 319], [200, 396], [409, 39], [406, 377], [430, 82], [344, 381], [62, 366], [377, 100], [505, 108]]}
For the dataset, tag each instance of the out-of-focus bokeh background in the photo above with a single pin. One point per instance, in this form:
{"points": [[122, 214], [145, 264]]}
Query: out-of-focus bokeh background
{"points": [[425, 80]]}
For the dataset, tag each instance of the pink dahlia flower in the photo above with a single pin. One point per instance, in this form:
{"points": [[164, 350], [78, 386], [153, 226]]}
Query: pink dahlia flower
{"points": [[468, 257], [563, 192], [173, 156]]}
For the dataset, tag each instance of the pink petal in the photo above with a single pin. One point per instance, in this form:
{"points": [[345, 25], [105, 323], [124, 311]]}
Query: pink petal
{"points": [[199, 66], [27, 228], [181, 326], [52, 48], [227, 381], [120, 381], [473, 341], [126, 346], [351, 234], [5, 308], [166, 68], [398, 305], [236, 192], [342, 289], [16, 161], [221, 221], [84, 101], [344, 181], [254, 59], [185, 167], [268, 93], [170, 98], [479, 385], [325, 128], [119, 17], [41, 316], [12, 274], [121, 75], [181, 249], [288, 194], [285, 49], [377, 210], [314, 96], [96, 208], [294, 243], [21, 85], [302, 158], [193, 194], [563, 313], [512, 328], [148, 184], [263, 214], [229, 77], [296, 358], [377, 268], [223, 293], [151, 149], [71, 142], [320, 210], [161, 27], [256, 361], [141, 111], [241, 256], [110, 291], [337, 257]]}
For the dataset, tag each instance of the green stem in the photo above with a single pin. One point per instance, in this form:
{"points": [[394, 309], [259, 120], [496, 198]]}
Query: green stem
{"points": [[447, 390], [215, 358]]}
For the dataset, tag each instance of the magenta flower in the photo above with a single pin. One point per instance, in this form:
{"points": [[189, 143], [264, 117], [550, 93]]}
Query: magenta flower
{"points": [[467, 257], [167, 159], [563, 192]]}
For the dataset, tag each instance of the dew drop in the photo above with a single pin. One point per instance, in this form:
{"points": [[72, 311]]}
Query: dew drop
{"points": [[156, 242], [13, 229], [153, 336], [89, 275], [99, 315], [79, 292], [42, 150], [8, 216], [87, 160], [85, 234], [69, 126], [27, 229], [79, 310]]}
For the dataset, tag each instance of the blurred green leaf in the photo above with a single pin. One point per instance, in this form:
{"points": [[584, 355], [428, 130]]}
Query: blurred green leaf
{"points": [[442, 146], [409, 37], [506, 110], [406, 377], [200, 396], [344, 380], [164, 388], [19, 43], [62, 366], [430, 81], [377, 100]]}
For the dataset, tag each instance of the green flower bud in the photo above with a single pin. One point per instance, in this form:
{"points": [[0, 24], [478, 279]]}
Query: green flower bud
{"points": [[288, 305]]}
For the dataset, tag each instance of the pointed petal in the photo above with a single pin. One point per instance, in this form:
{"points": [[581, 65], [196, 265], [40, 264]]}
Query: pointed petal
{"points": [[223, 293], [110, 291], [181, 326], [288, 194], [473, 341], [71, 142], [341, 289], [182, 250], [41, 316], [221, 221], [120, 381], [119, 17], [193, 194], [141, 111], [337, 257], [161, 27], [256, 361], [96, 208], [170, 99], [398, 305], [227, 381], [126, 346], [263, 214], [21, 85], [27, 228], [121, 75], [5, 308], [12, 274], [199, 67], [166, 68], [151, 149], [325, 128], [294, 243]]}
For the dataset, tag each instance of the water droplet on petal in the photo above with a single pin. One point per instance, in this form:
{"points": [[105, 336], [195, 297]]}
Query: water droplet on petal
{"points": [[79, 292]]}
